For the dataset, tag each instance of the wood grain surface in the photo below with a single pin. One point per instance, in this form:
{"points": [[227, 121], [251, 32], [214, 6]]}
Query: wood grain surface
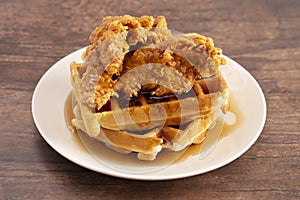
{"points": [[262, 35]]}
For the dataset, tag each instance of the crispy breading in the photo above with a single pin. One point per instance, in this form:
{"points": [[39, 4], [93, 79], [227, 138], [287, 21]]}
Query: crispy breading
{"points": [[191, 56], [109, 44], [165, 72], [112, 26]]}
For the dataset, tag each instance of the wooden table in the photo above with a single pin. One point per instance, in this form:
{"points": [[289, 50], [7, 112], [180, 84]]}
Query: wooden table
{"points": [[263, 36]]}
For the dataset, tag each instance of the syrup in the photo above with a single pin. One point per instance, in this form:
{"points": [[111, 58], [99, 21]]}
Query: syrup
{"points": [[68, 112], [196, 149]]}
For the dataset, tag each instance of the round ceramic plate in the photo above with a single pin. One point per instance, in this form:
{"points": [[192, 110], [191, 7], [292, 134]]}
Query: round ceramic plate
{"points": [[247, 103]]}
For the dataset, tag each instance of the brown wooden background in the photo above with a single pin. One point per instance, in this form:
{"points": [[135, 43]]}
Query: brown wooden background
{"points": [[263, 36]]}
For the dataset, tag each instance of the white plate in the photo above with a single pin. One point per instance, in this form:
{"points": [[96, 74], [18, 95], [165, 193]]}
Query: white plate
{"points": [[247, 102]]}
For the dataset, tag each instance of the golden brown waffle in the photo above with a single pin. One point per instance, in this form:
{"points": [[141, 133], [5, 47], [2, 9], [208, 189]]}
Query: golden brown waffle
{"points": [[104, 127]]}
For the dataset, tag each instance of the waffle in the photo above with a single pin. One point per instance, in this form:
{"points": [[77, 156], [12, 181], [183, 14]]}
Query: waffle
{"points": [[104, 126], [171, 106]]}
